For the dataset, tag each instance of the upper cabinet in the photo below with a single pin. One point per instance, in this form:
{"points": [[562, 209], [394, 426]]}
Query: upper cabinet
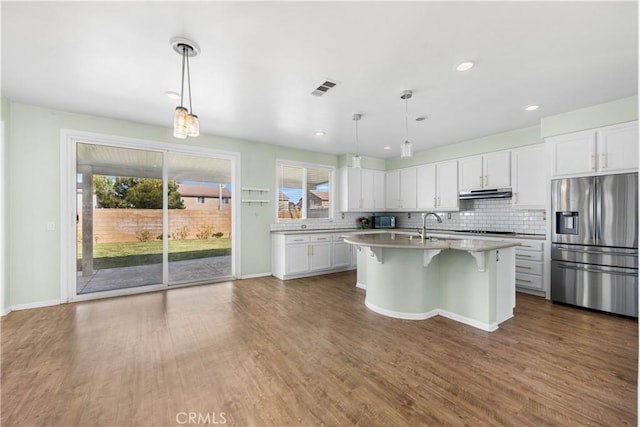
{"points": [[491, 170], [361, 190], [527, 177], [401, 189], [437, 186], [611, 149]]}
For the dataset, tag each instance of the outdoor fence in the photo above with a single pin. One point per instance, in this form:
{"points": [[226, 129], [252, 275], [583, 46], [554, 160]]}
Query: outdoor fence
{"points": [[132, 225]]}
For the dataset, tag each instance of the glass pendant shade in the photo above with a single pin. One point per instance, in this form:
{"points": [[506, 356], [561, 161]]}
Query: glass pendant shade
{"points": [[356, 162], [406, 149], [180, 123], [193, 125]]}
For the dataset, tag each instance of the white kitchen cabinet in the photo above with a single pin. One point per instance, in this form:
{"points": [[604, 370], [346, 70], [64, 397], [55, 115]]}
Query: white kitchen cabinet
{"points": [[528, 177], [611, 149], [320, 252], [362, 190], [401, 189], [437, 186], [530, 267], [491, 170], [617, 148], [300, 255], [373, 189]]}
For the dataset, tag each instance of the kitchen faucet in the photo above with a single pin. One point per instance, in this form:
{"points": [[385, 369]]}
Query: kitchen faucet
{"points": [[423, 233]]}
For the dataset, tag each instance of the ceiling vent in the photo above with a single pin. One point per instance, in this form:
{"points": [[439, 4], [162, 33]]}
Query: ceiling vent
{"points": [[324, 88]]}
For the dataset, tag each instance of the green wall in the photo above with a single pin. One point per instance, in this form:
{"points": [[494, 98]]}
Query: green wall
{"points": [[34, 192], [33, 180], [501, 141], [5, 117], [609, 113]]}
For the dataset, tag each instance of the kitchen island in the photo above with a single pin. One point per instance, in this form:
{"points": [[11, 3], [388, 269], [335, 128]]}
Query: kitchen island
{"points": [[406, 277]]}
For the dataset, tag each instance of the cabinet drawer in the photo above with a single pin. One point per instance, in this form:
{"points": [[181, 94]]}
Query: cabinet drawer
{"points": [[529, 281], [529, 267], [528, 256], [297, 238], [531, 246], [320, 237]]}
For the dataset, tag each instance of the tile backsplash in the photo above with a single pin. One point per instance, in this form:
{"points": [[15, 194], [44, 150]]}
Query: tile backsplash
{"points": [[480, 214], [349, 221]]}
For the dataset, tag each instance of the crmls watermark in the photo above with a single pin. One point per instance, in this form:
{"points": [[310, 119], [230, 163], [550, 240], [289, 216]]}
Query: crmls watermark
{"points": [[201, 418]]}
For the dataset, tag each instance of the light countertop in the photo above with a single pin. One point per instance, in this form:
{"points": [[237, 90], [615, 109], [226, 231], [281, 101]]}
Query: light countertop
{"points": [[403, 240], [431, 232]]}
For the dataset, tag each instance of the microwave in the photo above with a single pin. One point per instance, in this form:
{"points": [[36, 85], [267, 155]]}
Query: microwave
{"points": [[383, 221]]}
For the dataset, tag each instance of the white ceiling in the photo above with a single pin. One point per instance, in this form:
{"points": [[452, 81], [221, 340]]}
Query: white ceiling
{"points": [[260, 62]]}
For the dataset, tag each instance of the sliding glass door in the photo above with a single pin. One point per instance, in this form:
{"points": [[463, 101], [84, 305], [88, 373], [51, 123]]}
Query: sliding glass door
{"points": [[149, 218]]}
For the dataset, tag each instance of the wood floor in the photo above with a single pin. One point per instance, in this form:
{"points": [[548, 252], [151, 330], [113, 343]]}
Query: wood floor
{"points": [[307, 352]]}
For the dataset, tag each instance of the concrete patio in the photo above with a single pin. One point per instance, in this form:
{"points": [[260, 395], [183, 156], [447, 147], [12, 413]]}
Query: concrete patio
{"points": [[194, 270]]}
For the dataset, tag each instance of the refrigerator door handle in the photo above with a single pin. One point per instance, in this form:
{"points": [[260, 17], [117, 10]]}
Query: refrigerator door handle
{"points": [[596, 209], [596, 270], [563, 248]]}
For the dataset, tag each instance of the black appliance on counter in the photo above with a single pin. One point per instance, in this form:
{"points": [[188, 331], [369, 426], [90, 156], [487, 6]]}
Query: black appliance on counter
{"points": [[383, 221], [594, 251]]}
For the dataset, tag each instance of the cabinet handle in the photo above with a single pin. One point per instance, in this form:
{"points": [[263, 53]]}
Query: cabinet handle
{"points": [[523, 280], [434, 202], [524, 256], [298, 240], [311, 247], [524, 266], [593, 162], [486, 180], [438, 201], [514, 198], [603, 161], [480, 180]]}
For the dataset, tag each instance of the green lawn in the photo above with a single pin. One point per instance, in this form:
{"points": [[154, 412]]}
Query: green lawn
{"points": [[112, 255]]}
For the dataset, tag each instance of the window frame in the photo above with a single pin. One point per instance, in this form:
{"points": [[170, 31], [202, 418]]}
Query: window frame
{"points": [[304, 165]]}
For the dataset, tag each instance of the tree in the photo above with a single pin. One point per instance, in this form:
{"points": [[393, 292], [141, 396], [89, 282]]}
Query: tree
{"points": [[134, 193]]}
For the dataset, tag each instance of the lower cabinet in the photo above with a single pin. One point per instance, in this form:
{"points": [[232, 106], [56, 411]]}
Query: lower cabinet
{"points": [[300, 255], [530, 267]]}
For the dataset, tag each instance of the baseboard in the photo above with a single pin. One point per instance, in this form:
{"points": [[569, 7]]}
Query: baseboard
{"points": [[489, 327], [254, 276], [361, 285], [38, 304], [399, 314], [5, 311]]}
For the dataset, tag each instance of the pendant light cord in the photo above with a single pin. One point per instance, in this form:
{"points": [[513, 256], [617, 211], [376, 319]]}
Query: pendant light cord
{"points": [[184, 52], [189, 85], [357, 143], [406, 117]]}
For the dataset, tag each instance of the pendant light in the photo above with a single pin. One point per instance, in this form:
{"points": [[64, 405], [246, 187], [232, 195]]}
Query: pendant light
{"points": [[406, 149], [356, 159], [185, 123]]}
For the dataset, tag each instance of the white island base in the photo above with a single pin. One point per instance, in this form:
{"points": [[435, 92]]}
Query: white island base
{"points": [[475, 287]]}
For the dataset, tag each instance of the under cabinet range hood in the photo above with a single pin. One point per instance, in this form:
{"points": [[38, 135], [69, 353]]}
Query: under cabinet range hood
{"points": [[486, 193]]}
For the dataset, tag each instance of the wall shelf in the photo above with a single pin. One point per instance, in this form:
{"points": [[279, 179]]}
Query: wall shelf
{"points": [[261, 190], [255, 201]]}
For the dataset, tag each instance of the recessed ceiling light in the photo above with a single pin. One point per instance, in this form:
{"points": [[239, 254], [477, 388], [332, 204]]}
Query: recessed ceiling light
{"points": [[465, 66], [421, 118], [533, 107], [171, 94], [387, 147], [320, 133]]}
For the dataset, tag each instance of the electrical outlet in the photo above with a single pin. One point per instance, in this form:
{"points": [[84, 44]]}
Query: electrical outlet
{"points": [[303, 226], [409, 215], [448, 215], [51, 226]]}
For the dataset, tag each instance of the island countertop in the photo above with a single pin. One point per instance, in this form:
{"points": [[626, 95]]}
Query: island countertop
{"points": [[403, 240]]}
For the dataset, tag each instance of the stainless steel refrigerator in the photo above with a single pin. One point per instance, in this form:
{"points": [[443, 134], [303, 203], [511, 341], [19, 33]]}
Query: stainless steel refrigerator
{"points": [[594, 251]]}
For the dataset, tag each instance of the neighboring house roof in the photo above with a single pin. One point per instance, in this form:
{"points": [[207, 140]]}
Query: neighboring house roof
{"points": [[283, 197], [322, 195], [195, 190]]}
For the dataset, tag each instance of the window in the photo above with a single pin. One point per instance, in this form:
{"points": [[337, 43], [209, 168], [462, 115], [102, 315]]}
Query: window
{"points": [[200, 200], [304, 191]]}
